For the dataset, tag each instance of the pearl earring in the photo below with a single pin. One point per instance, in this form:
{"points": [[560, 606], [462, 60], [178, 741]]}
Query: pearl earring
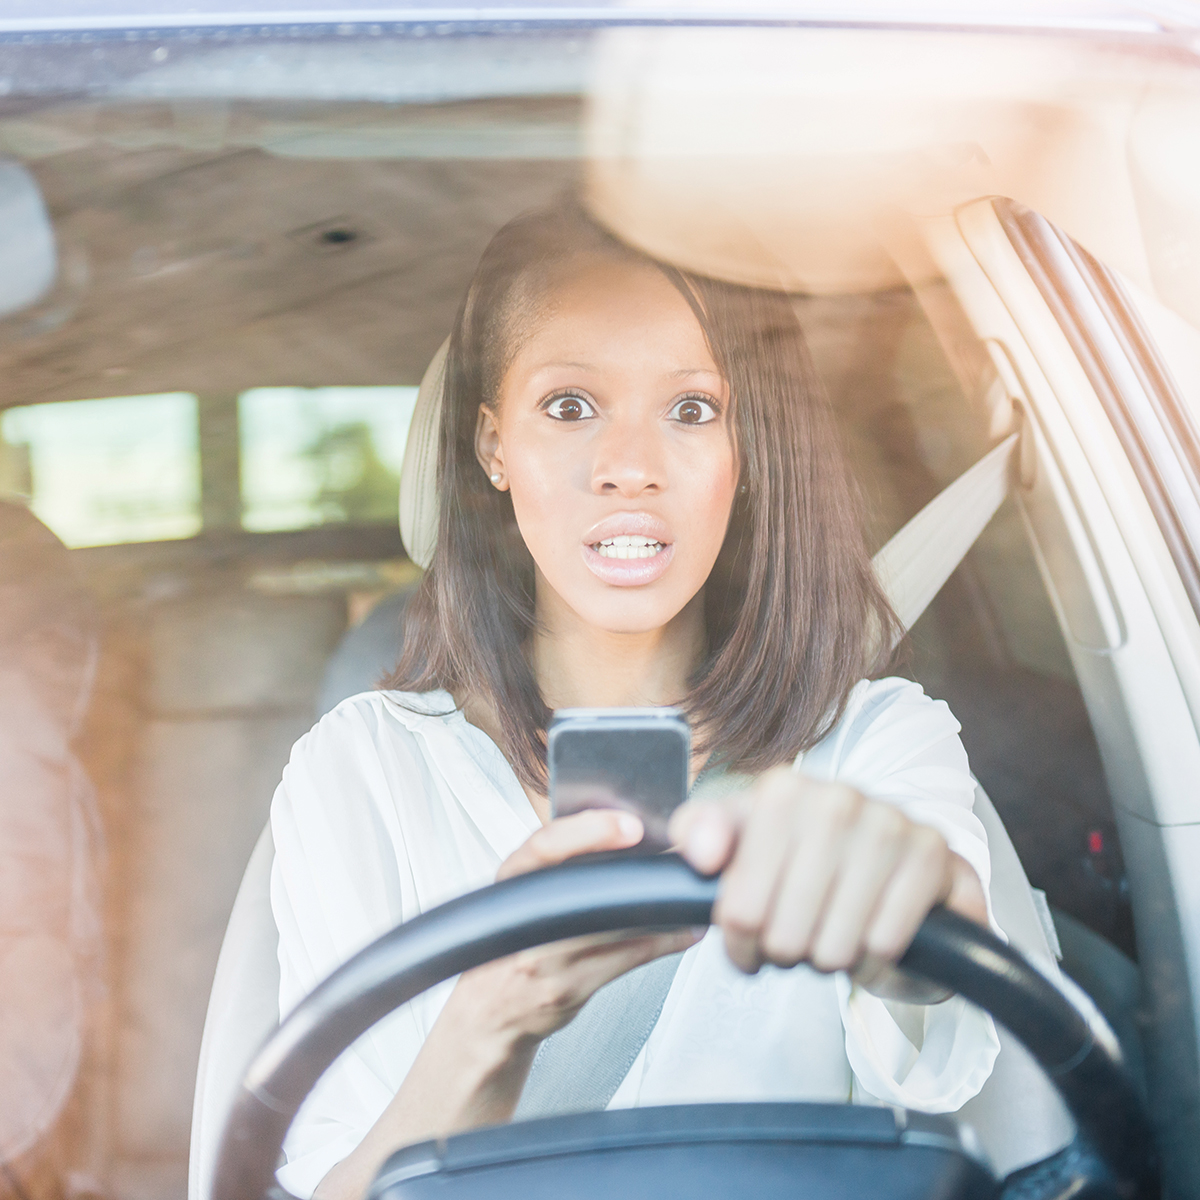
{"points": [[494, 478]]}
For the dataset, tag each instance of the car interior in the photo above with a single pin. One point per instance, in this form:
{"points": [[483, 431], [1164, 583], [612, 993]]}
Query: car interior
{"points": [[254, 263]]}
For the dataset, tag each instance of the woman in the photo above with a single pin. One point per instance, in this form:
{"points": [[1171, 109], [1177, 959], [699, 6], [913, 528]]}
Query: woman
{"points": [[642, 503]]}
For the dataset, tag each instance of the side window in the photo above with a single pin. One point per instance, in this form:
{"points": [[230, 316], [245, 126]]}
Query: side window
{"points": [[310, 456], [160, 467], [99, 472]]}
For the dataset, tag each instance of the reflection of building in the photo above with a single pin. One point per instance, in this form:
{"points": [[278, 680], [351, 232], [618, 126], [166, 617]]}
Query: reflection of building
{"points": [[356, 485]]}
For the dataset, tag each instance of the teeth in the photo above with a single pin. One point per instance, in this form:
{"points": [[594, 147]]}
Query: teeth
{"points": [[628, 546]]}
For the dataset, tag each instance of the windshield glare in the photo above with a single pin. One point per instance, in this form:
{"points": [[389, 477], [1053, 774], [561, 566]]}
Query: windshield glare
{"points": [[423, 378]]}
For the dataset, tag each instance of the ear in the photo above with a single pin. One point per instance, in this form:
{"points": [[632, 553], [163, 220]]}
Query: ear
{"points": [[488, 450]]}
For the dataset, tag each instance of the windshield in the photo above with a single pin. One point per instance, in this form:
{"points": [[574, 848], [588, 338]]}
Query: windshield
{"points": [[301, 406]]}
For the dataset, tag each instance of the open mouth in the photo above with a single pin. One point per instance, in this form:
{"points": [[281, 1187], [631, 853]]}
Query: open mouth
{"points": [[628, 546], [628, 549]]}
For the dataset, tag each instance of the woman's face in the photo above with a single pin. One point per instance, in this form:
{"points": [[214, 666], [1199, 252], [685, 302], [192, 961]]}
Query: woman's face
{"points": [[612, 430]]}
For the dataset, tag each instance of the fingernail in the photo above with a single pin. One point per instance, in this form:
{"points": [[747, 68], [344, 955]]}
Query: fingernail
{"points": [[631, 828]]}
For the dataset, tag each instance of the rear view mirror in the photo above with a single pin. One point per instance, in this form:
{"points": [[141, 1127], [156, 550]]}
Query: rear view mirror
{"points": [[28, 258]]}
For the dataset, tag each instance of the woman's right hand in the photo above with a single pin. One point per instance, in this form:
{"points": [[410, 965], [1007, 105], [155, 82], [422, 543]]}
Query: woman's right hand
{"points": [[521, 999], [473, 1065]]}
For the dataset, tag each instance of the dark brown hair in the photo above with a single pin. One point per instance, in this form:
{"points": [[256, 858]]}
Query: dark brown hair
{"points": [[795, 616]]}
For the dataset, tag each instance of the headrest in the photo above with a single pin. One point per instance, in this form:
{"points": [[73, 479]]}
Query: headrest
{"points": [[419, 471], [912, 567]]}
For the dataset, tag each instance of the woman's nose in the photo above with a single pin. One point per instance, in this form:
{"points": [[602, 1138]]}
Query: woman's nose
{"points": [[628, 459]]}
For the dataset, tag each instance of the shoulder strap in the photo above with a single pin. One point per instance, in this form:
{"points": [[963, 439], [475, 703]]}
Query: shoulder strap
{"points": [[920, 558], [579, 1068]]}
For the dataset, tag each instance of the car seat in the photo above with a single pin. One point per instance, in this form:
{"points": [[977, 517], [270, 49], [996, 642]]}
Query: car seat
{"points": [[1017, 1115], [367, 652]]}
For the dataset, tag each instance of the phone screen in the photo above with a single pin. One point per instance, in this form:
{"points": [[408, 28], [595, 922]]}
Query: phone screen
{"points": [[630, 758]]}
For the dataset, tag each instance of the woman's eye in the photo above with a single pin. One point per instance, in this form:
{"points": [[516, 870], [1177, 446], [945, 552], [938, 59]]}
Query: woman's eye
{"points": [[693, 410], [570, 408]]}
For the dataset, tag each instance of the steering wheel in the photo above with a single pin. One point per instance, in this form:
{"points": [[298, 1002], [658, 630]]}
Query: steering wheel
{"points": [[1111, 1155]]}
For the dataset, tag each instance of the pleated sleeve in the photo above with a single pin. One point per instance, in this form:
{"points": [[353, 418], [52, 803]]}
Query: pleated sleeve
{"points": [[897, 745]]}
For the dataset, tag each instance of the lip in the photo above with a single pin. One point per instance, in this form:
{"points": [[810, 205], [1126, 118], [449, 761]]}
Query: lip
{"points": [[628, 572], [634, 524]]}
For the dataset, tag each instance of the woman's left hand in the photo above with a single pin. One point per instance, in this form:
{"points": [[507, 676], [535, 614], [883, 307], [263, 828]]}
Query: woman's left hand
{"points": [[815, 872]]}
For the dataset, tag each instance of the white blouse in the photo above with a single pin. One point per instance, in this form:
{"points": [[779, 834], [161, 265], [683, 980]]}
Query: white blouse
{"points": [[393, 804]]}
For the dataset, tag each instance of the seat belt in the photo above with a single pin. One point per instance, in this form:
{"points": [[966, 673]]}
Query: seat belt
{"points": [[579, 1068], [920, 558]]}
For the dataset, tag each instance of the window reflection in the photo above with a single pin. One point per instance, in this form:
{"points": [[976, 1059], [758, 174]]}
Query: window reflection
{"points": [[129, 468], [314, 455], [98, 472]]}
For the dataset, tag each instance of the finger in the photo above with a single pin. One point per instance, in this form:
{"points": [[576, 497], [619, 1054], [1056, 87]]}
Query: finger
{"points": [[559, 955], [751, 880], [872, 853], [608, 963], [705, 833], [565, 954], [966, 895], [826, 820], [922, 879], [633, 950], [803, 894], [821, 816], [568, 950], [570, 984], [585, 832]]}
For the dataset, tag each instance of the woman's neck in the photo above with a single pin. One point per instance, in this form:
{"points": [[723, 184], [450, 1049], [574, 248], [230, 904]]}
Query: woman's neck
{"points": [[580, 666]]}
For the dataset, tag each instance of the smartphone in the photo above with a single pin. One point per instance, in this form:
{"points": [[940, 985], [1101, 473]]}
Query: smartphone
{"points": [[630, 758]]}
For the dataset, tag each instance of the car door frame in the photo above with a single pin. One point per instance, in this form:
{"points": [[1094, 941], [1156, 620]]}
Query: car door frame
{"points": [[1109, 494]]}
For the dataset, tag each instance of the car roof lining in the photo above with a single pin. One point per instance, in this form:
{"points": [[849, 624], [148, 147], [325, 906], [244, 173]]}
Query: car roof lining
{"points": [[206, 271]]}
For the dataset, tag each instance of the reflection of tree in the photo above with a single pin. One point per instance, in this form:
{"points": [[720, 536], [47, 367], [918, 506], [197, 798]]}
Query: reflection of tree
{"points": [[356, 485]]}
